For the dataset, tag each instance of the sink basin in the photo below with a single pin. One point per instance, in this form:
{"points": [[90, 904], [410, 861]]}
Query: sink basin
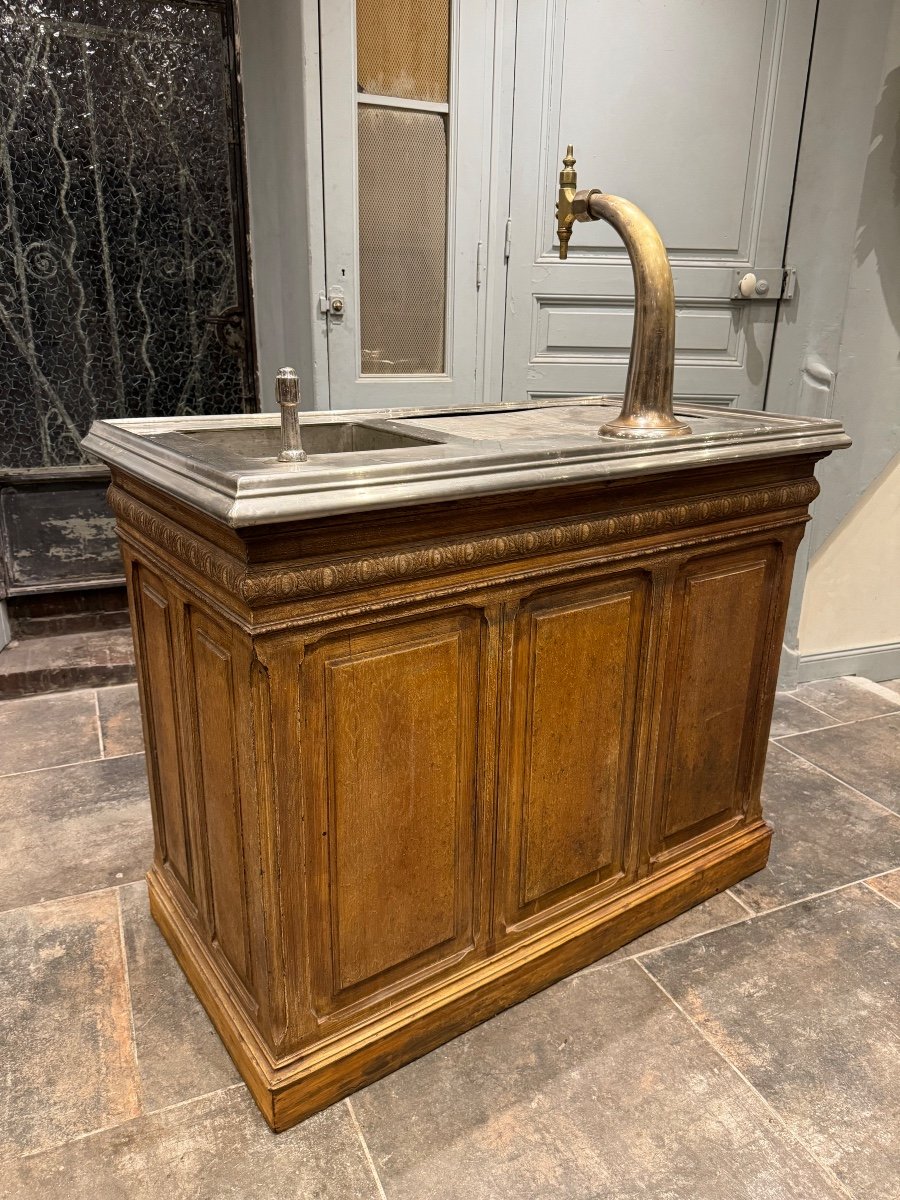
{"points": [[339, 437], [228, 467]]}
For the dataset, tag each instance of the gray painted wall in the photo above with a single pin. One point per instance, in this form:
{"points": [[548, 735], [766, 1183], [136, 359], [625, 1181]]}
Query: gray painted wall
{"points": [[837, 346]]}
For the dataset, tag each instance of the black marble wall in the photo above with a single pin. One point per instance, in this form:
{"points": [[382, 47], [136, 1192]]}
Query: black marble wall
{"points": [[116, 235]]}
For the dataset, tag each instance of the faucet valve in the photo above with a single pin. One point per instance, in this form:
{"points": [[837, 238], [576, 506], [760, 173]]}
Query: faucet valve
{"points": [[287, 393], [565, 213]]}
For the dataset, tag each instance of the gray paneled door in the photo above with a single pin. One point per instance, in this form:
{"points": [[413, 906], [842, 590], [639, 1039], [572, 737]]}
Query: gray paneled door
{"points": [[406, 103], [690, 109]]}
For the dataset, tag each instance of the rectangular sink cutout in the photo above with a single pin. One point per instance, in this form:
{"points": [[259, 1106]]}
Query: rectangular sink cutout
{"points": [[326, 438]]}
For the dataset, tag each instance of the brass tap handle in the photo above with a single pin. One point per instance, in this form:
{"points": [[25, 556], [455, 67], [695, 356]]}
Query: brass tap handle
{"points": [[647, 407], [287, 393], [564, 214]]}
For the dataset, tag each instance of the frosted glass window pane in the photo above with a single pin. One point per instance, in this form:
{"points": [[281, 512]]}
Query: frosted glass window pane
{"points": [[402, 240], [403, 48]]}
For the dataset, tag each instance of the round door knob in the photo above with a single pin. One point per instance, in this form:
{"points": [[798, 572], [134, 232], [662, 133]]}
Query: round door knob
{"points": [[337, 305], [747, 286]]}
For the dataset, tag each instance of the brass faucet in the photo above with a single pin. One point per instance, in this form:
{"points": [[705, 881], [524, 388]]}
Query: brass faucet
{"points": [[647, 407]]}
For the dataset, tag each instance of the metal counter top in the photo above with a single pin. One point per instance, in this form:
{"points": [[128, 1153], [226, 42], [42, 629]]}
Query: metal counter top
{"points": [[363, 459]]}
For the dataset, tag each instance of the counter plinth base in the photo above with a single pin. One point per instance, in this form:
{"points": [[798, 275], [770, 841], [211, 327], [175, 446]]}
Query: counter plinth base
{"points": [[410, 767], [289, 1092]]}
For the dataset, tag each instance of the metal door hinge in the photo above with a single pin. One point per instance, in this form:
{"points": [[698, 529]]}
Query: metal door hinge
{"points": [[507, 238], [764, 283], [479, 265]]}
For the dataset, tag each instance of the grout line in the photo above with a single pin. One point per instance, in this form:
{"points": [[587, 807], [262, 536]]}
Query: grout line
{"points": [[814, 707], [89, 1133], [99, 724], [752, 915], [835, 724], [740, 1074], [152, 1112], [134, 1051], [878, 892], [78, 763], [110, 887], [605, 962], [877, 689], [842, 782], [746, 907], [840, 887], [366, 1151], [776, 737]]}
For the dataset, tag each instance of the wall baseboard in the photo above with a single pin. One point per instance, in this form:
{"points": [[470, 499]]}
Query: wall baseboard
{"points": [[788, 668], [873, 662]]}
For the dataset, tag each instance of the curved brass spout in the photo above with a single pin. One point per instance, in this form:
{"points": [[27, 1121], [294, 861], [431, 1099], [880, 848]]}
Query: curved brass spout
{"points": [[647, 407]]}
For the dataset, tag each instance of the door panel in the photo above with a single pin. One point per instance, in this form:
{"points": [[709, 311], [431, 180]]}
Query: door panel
{"points": [[692, 111], [394, 801], [406, 128], [722, 610], [575, 670]]}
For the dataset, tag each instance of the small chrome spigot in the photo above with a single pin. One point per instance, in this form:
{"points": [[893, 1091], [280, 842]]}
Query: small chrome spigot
{"points": [[287, 393]]}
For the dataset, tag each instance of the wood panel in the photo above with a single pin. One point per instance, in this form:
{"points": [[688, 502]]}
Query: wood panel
{"points": [[439, 758], [220, 792], [722, 612], [574, 677], [394, 795], [157, 648]]}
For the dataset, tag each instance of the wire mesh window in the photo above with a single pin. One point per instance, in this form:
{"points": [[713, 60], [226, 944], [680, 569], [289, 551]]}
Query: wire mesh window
{"points": [[403, 48], [403, 55], [117, 249]]}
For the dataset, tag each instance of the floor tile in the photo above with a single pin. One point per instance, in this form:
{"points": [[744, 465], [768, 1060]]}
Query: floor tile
{"points": [[866, 755], [86, 659], [120, 720], [46, 731], [804, 1002], [66, 1026], [209, 1149], [178, 1051], [849, 699], [793, 716], [888, 885], [73, 829], [826, 834], [597, 1087], [711, 914]]}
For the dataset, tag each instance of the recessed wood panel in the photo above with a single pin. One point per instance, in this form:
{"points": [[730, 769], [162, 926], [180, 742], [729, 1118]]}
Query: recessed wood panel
{"points": [[157, 639], [398, 810], [217, 744], [722, 611], [575, 671]]}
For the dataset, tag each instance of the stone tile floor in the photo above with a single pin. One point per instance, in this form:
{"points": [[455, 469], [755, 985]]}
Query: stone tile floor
{"points": [[749, 1049]]}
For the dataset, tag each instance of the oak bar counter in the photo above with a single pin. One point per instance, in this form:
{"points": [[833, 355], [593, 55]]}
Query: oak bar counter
{"points": [[458, 705]]}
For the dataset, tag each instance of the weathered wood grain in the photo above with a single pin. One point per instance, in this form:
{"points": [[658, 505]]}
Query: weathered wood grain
{"points": [[411, 767]]}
